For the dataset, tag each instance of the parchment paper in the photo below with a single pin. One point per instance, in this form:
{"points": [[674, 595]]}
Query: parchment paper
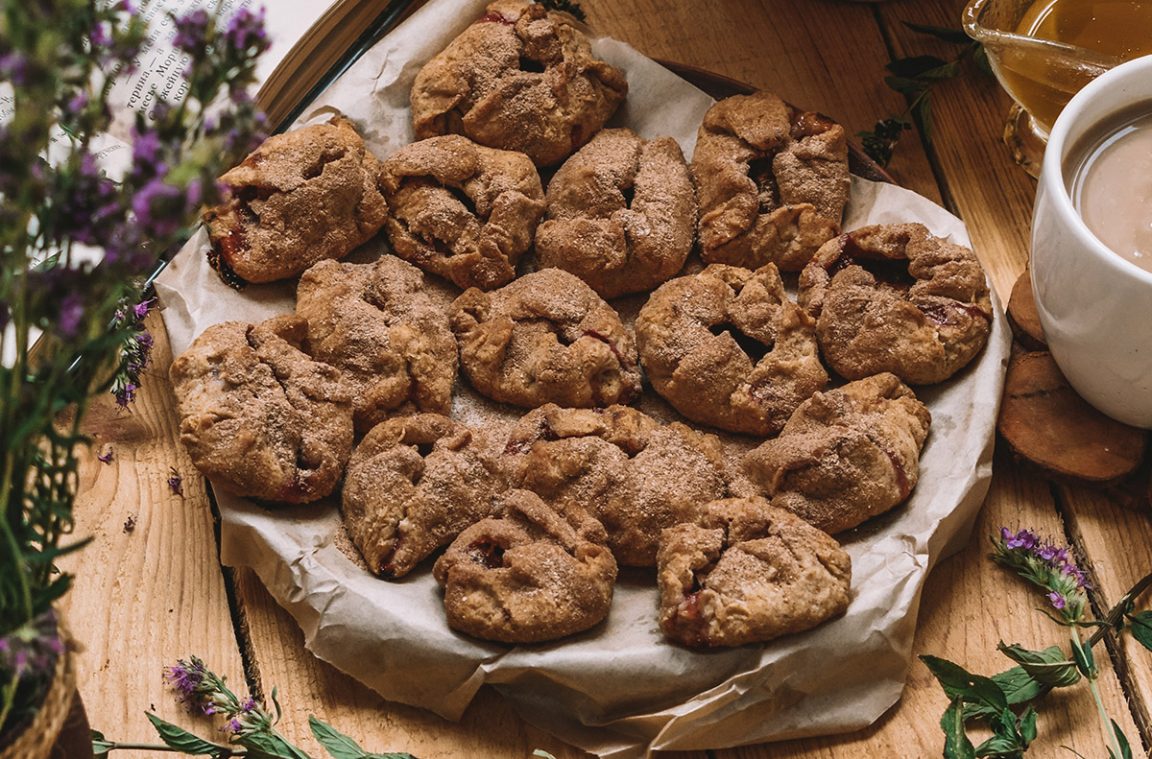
{"points": [[618, 690]]}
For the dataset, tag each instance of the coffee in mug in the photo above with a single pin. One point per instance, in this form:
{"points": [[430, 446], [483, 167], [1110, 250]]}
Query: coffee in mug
{"points": [[1109, 171]]}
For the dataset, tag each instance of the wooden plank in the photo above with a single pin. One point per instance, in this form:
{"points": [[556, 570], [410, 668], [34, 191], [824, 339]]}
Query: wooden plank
{"points": [[969, 605], [823, 56], [146, 596]]}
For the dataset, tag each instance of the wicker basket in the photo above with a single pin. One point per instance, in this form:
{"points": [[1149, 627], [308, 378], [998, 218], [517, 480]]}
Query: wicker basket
{"points": [[38, 739]]}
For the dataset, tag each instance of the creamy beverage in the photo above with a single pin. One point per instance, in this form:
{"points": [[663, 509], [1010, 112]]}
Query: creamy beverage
{"points": [[1110, 172]]}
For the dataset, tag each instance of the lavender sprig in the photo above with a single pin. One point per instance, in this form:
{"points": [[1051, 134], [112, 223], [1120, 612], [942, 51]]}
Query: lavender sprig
{"points": [[1046, 566], [249, 726]]}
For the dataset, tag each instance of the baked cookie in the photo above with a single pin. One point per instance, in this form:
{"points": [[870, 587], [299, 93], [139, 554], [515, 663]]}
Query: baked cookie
{"points": [[772, 182], [621, 214], [377, 325], [412, 485], [894, 298], [258, 416], [461, 210], [726, 347], [533, 574], [520, 78], [299, 198], [846, 455], [545, 338], [747, 573], [635, 475]]}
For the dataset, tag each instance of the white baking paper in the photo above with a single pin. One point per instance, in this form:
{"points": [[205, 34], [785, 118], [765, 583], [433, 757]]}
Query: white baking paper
{"points": [[618, 690]]}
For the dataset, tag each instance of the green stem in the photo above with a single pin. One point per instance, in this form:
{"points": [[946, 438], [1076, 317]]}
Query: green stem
{"points": [[1109, 730], [115, 746], [1117, 612]]}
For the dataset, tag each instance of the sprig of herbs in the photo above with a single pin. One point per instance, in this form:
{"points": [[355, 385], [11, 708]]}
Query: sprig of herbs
{"points": [[250, 727], [1005, 701], [915, 77]]}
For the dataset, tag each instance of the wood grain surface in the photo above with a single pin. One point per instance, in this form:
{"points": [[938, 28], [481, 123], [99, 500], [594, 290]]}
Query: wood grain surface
{"points": [[150, 595]]}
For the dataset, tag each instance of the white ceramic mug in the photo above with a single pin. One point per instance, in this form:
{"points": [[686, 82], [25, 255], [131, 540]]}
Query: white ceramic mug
{"points": [[1095, 306]]}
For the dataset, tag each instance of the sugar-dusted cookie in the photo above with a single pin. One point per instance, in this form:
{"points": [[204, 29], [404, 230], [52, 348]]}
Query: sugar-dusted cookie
{"points": [[258, 416], [412, 485], [635, 475], [846, 455], [895, 298], [461, 210], [520, 78], [748, 572], [377, 324], [546, 338], [772, 182], [621, 214], [299, 198], [727, 347], [532, 574]]}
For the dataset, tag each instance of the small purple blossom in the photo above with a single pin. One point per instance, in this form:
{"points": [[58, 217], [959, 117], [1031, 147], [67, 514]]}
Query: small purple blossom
{"points": [[14, 69], [1047, 566], [106, 456], [175, 482], [246, 33], [235, 725], [1023, 539], [1058, 600], [191, 32], [71, 315], [141, 309], [159, 208]]}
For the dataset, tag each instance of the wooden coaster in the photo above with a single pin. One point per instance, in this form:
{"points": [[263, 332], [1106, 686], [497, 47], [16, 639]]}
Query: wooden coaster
{"points": [[1044, 421], [1023, 316]]}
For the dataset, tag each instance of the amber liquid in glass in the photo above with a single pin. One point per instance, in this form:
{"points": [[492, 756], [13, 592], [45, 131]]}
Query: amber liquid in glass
{"points": [[1044, 84]]}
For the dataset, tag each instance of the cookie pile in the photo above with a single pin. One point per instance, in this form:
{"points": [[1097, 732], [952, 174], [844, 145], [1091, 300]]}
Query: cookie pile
{"points": [[353, 393]]}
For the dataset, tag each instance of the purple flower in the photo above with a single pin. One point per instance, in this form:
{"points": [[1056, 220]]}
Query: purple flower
{"points": [[159, 208], [14, 69], [1023, 539], [186, 678], [106, 456], [140, 310], [146, 153], [71, 315], [175, 482], [1058, 601], [191, 32], [249, 705], [126, 394], [246, 31], [235, 726]]}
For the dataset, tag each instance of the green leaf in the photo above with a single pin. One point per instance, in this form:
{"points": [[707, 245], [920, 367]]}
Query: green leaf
{"points": [[1050, 666], [337, 744], [100, 745], [184, 741], [1085, 662], [1141, 627], [1125, 749], [912, 88], [956, 743], [266, 745], [1028, 726], [998, 746], [955, 36], [958, 682], [915, 66]]}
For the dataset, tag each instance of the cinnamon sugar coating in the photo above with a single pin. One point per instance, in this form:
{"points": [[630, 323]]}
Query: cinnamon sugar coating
{"points": [[846, 455], [412, 485], [545, 338], [532, 574], [378, 326], [259, 417], [635, 475], [520, 78], [726, 347], [301, 197], [894, 298], [621, 213], [461, 210], [772, 182], [748, 572]]}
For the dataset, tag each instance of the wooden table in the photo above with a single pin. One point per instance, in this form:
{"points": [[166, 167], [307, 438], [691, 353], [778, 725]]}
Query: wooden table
{"points": [[153, 592]]}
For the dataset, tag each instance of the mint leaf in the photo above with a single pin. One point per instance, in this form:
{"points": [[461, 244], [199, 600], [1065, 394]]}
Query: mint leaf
{"points": [[959, 683], [269, 746], [1050, 666], [1085, 662], [955, 36], [956, 743], [1125, 749], [1028, 726], [184, 741], [998, 746], [337, 744], [1141, 627]]}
